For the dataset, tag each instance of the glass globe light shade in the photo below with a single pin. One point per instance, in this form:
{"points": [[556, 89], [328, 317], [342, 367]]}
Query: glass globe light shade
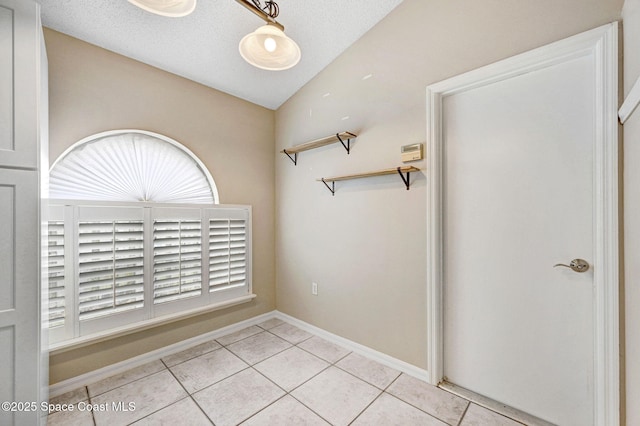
{"points": [[171, 8], [269, 48]]}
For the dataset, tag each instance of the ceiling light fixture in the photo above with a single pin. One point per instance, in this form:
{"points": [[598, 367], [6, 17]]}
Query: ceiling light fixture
{"points": [[171, 8], [268, 47]]}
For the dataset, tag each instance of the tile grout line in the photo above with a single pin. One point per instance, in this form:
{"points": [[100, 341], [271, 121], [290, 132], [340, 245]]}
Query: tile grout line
{"points": [[124, 384], [309, 408], [262, 409], [93, 418], [286, 393], [367, 407], [418, 408], [162, 408], [189, 394], [464, 413]]}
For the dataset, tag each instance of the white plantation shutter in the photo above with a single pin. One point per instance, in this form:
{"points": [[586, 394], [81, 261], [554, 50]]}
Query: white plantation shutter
{"points": [[227, 253], [229, 249], [56, 268], [177, 259], [110, 267]]}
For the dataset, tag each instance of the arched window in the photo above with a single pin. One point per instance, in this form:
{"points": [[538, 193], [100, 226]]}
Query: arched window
{"points": [[136, 236], [131, 165]]}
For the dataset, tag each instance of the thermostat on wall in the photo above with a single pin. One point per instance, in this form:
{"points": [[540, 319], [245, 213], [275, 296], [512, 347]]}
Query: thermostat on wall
{"points": [[411, 152]]}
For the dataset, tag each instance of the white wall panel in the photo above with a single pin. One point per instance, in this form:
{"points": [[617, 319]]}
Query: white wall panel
{"points": [[6, 79], [7, 246], [7, 391], [19, 44]]}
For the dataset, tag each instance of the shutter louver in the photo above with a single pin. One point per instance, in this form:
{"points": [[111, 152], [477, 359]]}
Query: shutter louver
{"points": [[227, 253], [56, 274], [111, 267], [177, 260]]}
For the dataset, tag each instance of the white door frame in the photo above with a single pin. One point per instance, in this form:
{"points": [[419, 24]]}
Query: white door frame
{"points": [[602, 43]]}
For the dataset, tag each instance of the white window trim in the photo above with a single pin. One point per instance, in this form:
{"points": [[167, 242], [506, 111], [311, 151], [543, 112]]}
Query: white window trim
{"points": [[79, 342]]}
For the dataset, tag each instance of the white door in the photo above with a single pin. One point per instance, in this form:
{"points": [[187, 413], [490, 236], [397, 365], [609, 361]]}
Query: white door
{"points": [[21, 362], [526, 175]]}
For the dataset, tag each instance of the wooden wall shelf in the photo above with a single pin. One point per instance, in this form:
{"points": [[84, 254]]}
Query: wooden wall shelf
{"points": [[398, 170], [338, 137]]}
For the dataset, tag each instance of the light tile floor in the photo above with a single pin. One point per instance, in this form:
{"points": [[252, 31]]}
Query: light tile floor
{"points": [[265, 375]]}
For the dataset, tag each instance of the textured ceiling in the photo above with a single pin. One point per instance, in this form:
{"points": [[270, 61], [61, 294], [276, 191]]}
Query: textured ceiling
{"points": [[203, 46]]}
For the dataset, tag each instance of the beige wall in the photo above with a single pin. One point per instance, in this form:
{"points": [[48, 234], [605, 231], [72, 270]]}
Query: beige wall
{"points": [[631, 304], [365, 247], [94, 90]]}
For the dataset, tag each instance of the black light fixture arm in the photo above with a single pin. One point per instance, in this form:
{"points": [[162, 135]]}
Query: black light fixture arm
{"points": [[271, 8], [268, 13]]}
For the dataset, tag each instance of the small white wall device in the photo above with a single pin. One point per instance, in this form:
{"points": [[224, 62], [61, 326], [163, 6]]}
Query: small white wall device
{"points": [[411, 152]]}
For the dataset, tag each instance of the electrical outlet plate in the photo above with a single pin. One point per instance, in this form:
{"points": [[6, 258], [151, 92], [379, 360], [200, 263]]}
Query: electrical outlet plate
{"points": [[314, 289]]}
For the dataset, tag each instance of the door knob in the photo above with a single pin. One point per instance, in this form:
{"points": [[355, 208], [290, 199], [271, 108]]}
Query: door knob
{"points": [[576, 265]]}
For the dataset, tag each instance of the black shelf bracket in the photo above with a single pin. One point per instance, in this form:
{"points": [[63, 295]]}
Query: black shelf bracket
{"points": [[347, 146], [407, 180], [294, 158], [331, 188]]}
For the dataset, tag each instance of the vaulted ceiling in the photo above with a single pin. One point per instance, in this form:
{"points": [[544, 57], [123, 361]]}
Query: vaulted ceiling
{"points": [[203, 46]]}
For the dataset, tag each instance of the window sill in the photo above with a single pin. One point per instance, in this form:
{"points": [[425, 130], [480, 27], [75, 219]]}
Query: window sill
{"points": [[67, 345]]}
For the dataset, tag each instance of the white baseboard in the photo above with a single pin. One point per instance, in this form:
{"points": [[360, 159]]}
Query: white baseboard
{"points": [[120, 367], [366, 351]]}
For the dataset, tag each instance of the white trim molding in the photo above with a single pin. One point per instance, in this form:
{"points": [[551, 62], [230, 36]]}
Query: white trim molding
{"points": [[366, 351], [120, 367], [602, 44]]}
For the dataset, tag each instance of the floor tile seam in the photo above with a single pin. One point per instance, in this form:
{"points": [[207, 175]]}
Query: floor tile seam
{"points": [[464, 413], [258, 362], [470, 402], [268, 405], [392, 382], [431, 414], [72, 403], [201, 409], [320, 372], [311, 378], [159, 409], [426, 412], [189, 359], [272, 381], [309, 408], [290, 347], [267, 329], [164, 367], [325, 360], [93, 418], [179, 382], [234, 374], [168, 405], [364, 380], [289, 341], [262, 409], [239, 340], [423, 411], [218, 381], [168, 367], [365, 408]]}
